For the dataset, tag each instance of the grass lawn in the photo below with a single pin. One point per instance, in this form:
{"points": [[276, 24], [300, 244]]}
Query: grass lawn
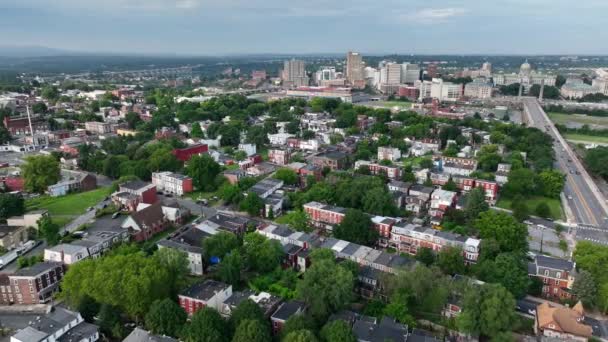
{"points": [[413, 161], [405, 104], [554, 204], [69, 205], [563, 118], [586, 138]]}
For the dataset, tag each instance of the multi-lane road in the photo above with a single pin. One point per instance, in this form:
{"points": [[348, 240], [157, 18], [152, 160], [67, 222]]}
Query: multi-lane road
{"points": [[587, 206]]}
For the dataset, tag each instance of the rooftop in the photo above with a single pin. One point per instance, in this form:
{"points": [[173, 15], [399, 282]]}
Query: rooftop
{"points": [[205, 290]]}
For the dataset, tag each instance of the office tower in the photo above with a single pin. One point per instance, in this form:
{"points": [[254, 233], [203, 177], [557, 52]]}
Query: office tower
{"points": [[410, 73], [354, 69], [294, 73]]}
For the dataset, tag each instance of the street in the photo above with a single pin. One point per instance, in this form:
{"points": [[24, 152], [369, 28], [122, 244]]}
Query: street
{"points": [[586, 203]]}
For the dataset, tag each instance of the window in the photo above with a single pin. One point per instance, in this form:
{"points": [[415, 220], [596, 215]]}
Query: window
{"points": [[555, 290], [547, 273], [558, 275]]}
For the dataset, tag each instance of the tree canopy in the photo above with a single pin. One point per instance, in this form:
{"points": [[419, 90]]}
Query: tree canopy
{"points": [[39, 172], [356, 227]]}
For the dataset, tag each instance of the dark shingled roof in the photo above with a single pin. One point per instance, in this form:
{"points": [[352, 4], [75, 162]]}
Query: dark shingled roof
{"points": [[554, 263], [287, 310], [205, 290]]}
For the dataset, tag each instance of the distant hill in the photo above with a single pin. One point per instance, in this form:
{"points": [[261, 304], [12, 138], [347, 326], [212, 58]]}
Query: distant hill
{"points": [[30, 51]]}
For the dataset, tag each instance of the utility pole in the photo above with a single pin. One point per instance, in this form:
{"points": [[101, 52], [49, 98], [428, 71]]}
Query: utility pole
{"points": [[29, 119]]}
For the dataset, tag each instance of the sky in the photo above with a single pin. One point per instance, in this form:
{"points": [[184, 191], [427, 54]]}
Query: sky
{"points": [[224, 27]]}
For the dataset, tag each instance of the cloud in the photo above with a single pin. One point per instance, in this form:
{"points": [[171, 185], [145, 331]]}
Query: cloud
{"points": [[435, 15], [113, 5]]}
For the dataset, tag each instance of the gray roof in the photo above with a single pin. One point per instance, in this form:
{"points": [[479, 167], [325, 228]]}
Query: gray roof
{"points": [[554, 263], [205, 290], [29, 334], [287, 310], [37, 269], [81, 332], [140, 335], [386, 330], [134, 185]]}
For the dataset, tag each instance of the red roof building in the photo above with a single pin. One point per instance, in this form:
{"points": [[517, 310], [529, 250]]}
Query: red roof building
{"points": [[184, 154]]}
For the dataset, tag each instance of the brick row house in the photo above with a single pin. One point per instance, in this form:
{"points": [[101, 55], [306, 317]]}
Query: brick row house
{"points": [[557, 276], [130, 194], [147, 222], [409, 238], [392, 172], [184, 154], [173, 183], [324, 215], [32, 285]]}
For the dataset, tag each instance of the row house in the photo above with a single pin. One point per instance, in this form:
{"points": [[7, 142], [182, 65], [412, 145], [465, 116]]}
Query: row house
{"points": [[305, 145], [209, 293], [59, 324], [130, 194], [224, 222], [324, 215], [418, 198], [145, 223], [334, 160], [304, 171], [409, 238], [441, 200], [463, 183], [20, 125], [457, 165], [389, 153], [317, 122], [384, 226], [554, 323], [279, 156], [234, 176], [184, 154], [268, 303], [396, 185], [188, 240], [490, 189], [72, 181], [439, 178], [266, 187], [32, 285], [502, 173], [557, 276], [392, 172], [423, 146], [284, 312], [279, 139], [173, 183], [97, 127], [286, 236]]}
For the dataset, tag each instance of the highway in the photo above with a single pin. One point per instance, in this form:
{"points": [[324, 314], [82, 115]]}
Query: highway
{"points": [[587, 205]]}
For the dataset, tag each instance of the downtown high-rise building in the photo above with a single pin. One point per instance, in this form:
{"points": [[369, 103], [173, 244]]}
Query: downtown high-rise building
{"points": [[354, 69], [410, 73], [294, 73]]}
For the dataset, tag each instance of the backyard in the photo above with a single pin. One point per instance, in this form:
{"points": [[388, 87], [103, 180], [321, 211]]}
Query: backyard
{"points": [[555, 205], [65, 208]]}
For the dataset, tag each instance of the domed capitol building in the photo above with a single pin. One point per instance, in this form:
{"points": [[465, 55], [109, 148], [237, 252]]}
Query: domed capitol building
{"points": [[526, 76]]}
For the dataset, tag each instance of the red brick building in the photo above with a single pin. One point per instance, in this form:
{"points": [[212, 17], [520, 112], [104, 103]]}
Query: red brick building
{"points": [[209, 293], [557, 276], [283, 313], [323, 215], [184, 154], [490, 189], [146, 223], [20, 125], [136, 192], [33, 285], [410, 92], [278, 156]]}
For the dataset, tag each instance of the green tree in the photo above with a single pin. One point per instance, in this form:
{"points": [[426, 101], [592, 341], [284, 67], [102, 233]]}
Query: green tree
{"points": [[450, 260], [203, 170], [510, 234], [397, 308], [49, 230], [325, 287], [257, 135], [109, 322], [165, 317], [11, 205], [551, 183], [488, 310], [230, 268], [585, 289], [219, 245], [379, 201], [133, 119], [176, 262], [288, 176], [520, 208], [521, 182], [39, 172], [426, 163], [39, 108], [450, 185], [509, 270], [5, 135], [356, 227], [596, 160], [426, 256], [88, 308], [593, 258], [300, 336], [252, 204], [247, 310], [206, 325], [252, 330], [297, 220], [337, 331], [126, 279], [475, 204], [262, 254], [542, 209], [196, 131], [298, 322]]}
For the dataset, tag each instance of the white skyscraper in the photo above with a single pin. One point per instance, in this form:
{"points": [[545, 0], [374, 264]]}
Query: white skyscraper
{"points": [[410, 73]]}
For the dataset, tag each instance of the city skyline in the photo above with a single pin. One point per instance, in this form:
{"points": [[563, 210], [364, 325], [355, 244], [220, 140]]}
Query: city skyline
{"points": [[197, 27]]}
